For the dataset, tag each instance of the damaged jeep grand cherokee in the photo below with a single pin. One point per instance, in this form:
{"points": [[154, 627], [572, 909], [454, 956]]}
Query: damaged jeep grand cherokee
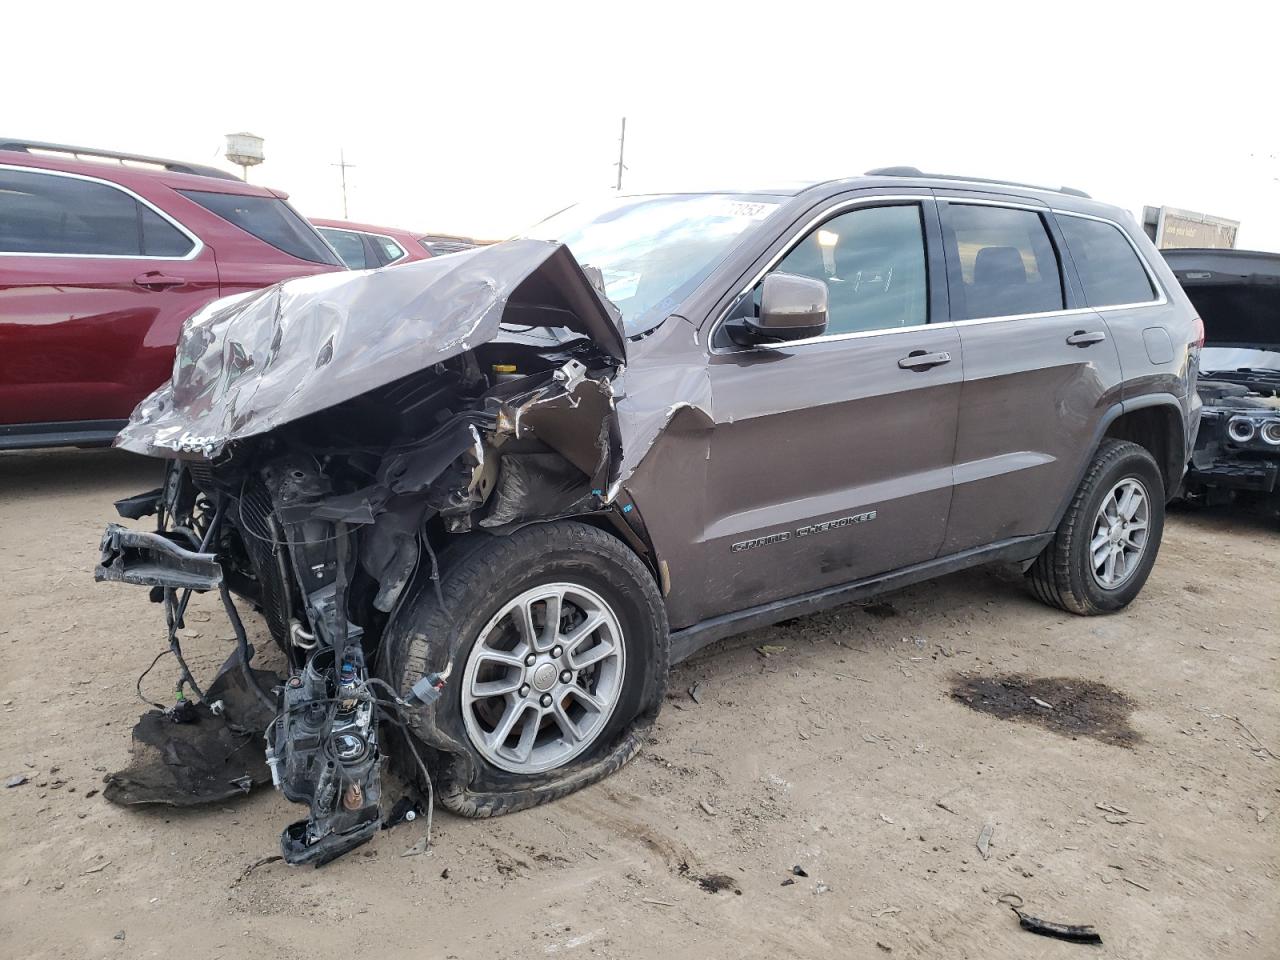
{"points": [[484, 501]]}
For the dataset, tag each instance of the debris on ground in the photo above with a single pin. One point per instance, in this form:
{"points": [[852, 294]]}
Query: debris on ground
{"points": [[695, 692], [1257, 746], [715, 882], [799, 871], [940, 804], [767, 650], [17, 780], [984, 841], [1073, 932], [707, 808], [712, 882], [252, 867], [417, 850], [119, 935], [1082, 708], [822, 887], [187, 764], [405, 810]]}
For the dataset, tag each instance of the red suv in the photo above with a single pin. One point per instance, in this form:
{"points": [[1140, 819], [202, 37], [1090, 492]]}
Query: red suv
{"points": [[363, 246], [102, 257]]}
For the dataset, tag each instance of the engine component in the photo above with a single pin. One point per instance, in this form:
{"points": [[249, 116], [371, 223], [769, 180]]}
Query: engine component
{"points": [[323, 751]]}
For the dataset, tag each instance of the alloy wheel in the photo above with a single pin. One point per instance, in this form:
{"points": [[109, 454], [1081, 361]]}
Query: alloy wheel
{"points": [[1120, 533], [543, 678]]}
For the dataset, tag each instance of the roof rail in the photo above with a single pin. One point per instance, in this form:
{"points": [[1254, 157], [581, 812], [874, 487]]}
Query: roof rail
{"points": [[173, 166], [916, 172]]}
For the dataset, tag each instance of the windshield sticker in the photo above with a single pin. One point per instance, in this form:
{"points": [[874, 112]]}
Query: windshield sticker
{"points": [[747, 209]]}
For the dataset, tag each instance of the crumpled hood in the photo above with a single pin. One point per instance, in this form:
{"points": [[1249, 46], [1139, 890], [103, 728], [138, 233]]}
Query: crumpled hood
{"points": [[250, 363]]}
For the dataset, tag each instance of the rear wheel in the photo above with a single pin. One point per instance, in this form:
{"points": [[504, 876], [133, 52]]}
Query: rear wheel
{"points": [[1104, 548], [555, 639]]}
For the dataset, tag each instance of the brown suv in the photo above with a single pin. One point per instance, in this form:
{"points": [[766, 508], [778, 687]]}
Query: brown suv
{"points": [[490, 498]]}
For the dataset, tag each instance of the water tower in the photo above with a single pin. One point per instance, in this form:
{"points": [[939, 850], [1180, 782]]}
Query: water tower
{"points": [[244, 149]]}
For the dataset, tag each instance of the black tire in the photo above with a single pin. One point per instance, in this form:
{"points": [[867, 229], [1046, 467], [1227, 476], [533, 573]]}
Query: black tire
{"points": [[1062, 576], [478, 576]]}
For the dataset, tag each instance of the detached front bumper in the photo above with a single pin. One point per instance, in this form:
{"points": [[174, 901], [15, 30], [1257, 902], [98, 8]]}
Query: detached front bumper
{"points": [[154, 560]]}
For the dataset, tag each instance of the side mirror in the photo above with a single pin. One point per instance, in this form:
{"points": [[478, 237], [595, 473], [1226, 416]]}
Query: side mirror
{"points": [[792, 307]]}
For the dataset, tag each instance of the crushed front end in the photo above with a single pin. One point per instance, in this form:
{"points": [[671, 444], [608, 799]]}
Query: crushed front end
{"points": [[1237, 452], [328, 440]]}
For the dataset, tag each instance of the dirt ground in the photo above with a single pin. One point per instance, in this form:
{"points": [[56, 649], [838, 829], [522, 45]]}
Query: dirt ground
{"points": [[842, 752]]}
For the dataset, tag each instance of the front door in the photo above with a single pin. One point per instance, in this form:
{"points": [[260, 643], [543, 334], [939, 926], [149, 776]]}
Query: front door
{"points": [[830, 459]]}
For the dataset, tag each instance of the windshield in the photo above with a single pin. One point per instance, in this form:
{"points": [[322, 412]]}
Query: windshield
{"points": [[654, 250], [1231, 359]]}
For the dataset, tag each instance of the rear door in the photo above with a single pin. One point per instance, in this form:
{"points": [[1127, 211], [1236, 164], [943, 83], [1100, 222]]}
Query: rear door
{"points": [[1041, 368], [94, 285], [831, 458]]}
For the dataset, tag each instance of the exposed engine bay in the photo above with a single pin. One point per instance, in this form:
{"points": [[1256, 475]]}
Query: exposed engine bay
{"points": [[322, 503], [1237, 451]]}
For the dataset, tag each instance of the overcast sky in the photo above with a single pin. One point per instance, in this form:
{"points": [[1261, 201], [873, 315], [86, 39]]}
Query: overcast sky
{"points": [[484, 117]]}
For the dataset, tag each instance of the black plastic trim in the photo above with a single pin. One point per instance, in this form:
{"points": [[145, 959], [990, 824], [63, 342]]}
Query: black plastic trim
{"points": [[685, 643], [67, 433]]}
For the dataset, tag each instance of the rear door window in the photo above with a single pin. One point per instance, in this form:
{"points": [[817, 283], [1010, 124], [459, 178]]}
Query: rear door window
{"points": [[269, 219], [1002, 262], [873, 262], [350, 246], [1106, 263], [45, 213]]}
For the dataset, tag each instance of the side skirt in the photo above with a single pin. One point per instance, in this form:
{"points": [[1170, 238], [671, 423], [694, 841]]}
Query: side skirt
{"points": [[71, 433], [689, 640]]}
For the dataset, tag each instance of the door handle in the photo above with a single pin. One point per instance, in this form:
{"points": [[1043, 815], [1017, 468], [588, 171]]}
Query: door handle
{"points": [[919, 360], [1084, 338], [154, 280]]}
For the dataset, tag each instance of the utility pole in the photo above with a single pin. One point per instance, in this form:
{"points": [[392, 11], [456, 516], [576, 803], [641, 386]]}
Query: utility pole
{"points": [[622, 147], [342, 166]]}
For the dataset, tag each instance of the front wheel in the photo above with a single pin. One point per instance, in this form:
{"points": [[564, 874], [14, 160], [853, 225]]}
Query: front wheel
{"points": [[1104, 548], [555, 639]]}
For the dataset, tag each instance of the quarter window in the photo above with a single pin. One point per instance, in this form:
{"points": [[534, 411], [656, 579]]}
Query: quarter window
{"points": [[1106, 263], [1004, 263], [269, 219], [42, 213], [873, 263], [391, 251]]}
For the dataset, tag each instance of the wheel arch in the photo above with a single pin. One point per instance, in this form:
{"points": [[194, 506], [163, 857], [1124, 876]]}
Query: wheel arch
{"points": [[1154, 423]]}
